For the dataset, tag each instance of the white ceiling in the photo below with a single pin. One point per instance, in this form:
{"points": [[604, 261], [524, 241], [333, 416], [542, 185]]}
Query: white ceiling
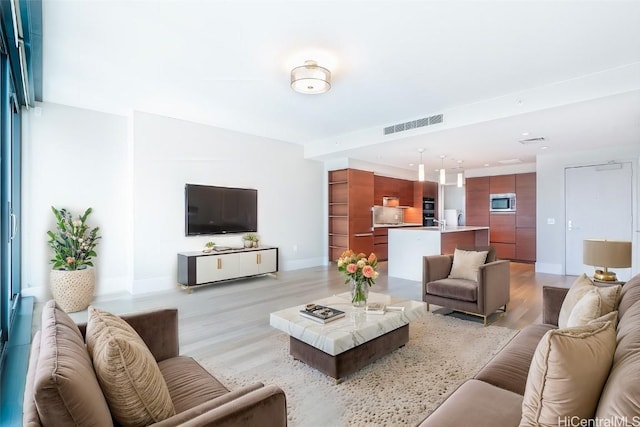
{"points": [[565, 70]]}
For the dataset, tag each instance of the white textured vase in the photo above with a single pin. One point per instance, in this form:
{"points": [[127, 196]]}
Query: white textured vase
{"points": [[73, 290]]}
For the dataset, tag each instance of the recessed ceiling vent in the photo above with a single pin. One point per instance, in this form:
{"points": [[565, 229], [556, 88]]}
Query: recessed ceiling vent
{"points": [[413, 124], [532, 140]]}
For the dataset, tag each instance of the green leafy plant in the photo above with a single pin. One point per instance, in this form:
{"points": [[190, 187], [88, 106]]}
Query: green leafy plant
{"points": [[209, 245], [252, 237], [73, 242]]}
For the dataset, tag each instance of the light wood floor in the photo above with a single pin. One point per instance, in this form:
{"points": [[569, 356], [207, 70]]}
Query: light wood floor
{"points": [[231, 317]]}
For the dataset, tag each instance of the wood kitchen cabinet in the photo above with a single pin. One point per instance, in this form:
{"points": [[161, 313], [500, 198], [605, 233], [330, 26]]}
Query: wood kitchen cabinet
{"points": [[526, 244], [499, 184], [526, 217], [385, 186], [477, 201], [513, 235], [502, 234], [381, 243], [350, 217], [526, 200]]}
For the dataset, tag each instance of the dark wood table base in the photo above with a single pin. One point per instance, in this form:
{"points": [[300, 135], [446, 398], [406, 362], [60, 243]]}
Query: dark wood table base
{"points": [[343, 364]]}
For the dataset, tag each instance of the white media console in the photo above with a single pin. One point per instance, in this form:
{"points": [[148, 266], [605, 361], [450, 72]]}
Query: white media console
{"points": [[199, 268]]}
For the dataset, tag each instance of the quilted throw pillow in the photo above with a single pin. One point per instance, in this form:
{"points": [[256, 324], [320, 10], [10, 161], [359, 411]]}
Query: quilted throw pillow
{"points": [[466, 264], [128, 374]]}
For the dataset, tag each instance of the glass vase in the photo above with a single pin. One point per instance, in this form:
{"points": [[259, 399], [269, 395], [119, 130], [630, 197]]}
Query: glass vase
{"points": [[359, 293]]}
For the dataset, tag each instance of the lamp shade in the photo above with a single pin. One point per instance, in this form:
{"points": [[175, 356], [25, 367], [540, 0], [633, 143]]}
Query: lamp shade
{"points": [[310, 78], [607, 253]]}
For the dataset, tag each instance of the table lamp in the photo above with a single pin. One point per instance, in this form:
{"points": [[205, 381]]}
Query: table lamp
{"points": [[606, 253]]}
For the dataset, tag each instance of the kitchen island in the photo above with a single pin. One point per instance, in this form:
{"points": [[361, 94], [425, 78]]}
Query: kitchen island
{"points": [[408, 245]]}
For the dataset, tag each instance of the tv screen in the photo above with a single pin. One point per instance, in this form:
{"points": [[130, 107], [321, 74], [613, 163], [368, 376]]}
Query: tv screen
{"points": [[220, 210]]}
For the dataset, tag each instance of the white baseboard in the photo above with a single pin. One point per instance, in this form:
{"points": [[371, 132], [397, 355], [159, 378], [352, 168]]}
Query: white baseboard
{"points": [[298, 264], [544, 267], [40, 293], [154, 284]]}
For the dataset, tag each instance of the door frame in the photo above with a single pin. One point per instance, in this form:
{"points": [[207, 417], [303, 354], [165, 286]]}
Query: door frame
{"points": [[635, 215]]}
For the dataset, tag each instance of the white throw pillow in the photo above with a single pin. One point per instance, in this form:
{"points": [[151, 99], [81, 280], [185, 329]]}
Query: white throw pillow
{"points": [[610, 297], [466, 264], [567, 374], [586, 309]]}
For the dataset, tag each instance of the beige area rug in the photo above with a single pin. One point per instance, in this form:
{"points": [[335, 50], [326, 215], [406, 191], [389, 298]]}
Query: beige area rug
{"points": [[400, 389]]}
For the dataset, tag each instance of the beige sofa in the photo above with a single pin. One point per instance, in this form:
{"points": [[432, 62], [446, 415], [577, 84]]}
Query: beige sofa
{"points": [[62, 388], [494, 397]]}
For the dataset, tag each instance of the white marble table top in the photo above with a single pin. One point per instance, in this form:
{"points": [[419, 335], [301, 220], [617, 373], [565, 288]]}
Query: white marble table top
{"points": [[354, 329]]}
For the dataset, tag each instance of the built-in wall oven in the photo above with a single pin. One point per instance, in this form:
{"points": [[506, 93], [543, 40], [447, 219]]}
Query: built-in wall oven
{"points": [[428, 211]]}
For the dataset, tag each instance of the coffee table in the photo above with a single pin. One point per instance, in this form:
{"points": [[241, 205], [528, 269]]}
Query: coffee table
{"points": [[343, 346]]}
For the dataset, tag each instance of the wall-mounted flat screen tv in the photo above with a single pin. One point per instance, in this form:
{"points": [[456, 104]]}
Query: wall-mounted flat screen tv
{"points": [[220, 210]]}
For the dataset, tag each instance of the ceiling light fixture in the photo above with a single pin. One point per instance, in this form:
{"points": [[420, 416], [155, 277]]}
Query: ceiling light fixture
{"points": [[460, 174], [310, 78], [443, 178], [421, 166]]}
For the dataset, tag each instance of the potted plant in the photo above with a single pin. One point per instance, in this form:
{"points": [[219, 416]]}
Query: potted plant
{"points": [[208, 247], [250, 240], [72, 277]]}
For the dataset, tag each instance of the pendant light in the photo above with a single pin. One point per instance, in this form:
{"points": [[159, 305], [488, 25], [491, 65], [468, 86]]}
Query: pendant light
{"points": [[421, 166], [460, 174], [443, 177]]}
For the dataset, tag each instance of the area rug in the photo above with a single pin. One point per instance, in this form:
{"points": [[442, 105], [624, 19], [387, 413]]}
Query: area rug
{"points": [[400, 389]]}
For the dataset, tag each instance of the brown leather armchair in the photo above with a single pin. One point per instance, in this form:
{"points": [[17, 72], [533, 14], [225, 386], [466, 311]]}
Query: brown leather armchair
{"points": [[482, 297]]}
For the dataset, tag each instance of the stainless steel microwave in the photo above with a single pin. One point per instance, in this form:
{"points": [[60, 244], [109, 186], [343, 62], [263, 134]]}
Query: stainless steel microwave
{"points": [[502, 202]]}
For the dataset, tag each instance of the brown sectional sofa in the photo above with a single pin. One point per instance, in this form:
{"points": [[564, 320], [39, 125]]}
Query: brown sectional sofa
{"points": [[62, 389], [494, 397]]}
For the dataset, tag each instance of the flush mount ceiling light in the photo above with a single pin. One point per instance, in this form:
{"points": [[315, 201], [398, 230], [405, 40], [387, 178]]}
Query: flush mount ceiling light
{"points": [[310, 78], [443, 177], [421, 166]]}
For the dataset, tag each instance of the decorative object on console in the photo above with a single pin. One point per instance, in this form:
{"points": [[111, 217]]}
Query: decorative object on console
{"points": [[251, 240], [360, 272], [72, 278], [606, 253], [310, 78], [208, 247]]}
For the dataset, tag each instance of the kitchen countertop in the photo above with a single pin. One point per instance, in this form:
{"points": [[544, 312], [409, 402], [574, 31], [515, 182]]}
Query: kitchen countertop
{"points": [[402, 224], [455, 229]]}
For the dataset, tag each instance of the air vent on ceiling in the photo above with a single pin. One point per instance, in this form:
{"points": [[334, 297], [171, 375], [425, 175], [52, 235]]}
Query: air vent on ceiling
{"points": [[509, 161], [413, 124], [532, 140]]}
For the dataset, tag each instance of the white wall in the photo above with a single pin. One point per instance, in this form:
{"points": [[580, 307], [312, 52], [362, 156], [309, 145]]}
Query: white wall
{"points": [[550, 238], [169, 153], [454, 198], [74, 158], [132, 171]]}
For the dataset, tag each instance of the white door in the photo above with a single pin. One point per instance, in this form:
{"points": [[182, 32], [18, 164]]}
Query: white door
{"points": [[598, 206]]}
